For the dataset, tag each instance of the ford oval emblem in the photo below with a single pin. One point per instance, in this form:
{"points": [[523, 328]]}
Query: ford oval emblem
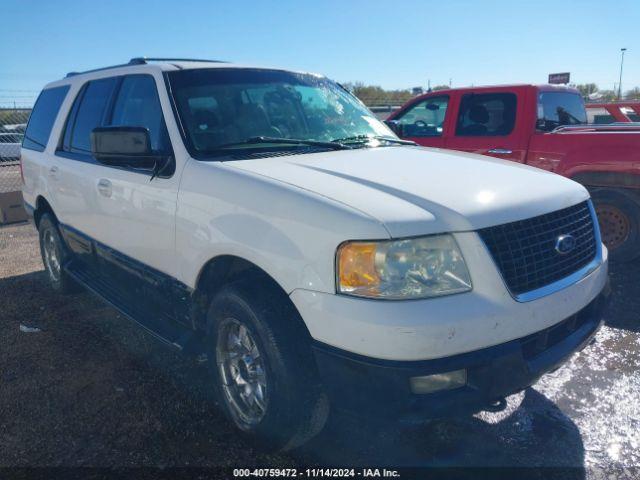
{"points": [[565, 244]]}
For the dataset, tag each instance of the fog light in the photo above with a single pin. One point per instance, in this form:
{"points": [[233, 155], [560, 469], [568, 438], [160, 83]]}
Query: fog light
{"points": [[439, 381]]}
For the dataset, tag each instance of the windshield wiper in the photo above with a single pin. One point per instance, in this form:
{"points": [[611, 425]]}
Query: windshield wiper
{"points": [[288, 141], [375, 137]]}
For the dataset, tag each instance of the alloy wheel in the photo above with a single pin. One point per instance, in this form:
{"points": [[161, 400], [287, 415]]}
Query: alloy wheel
{"points": [[242, 372]]}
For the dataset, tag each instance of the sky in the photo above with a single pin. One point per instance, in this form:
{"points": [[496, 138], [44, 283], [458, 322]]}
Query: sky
{"points": [[394, 44]]}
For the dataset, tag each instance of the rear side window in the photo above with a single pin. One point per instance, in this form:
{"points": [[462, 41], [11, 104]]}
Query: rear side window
{"points": [[89, 109], [42, 117], [138, 105], [560, 108], [486, 115]]}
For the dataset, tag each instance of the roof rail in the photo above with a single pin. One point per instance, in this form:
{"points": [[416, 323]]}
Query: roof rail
{"points": [[143, 61], [72, 74]]}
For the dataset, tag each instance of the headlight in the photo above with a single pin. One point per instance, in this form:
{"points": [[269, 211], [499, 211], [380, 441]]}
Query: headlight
{"points": [[402, 269]]}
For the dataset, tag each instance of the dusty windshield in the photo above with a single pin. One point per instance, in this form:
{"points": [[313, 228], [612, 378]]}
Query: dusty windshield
{"points": [[229, 109]]}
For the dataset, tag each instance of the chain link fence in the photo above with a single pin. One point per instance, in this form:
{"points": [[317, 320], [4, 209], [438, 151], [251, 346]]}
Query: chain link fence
{"points": [[13, 121]]}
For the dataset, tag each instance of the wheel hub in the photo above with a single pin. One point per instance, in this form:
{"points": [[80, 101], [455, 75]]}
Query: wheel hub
{"points": [[51, 255], [244, 379], [614, 225]]}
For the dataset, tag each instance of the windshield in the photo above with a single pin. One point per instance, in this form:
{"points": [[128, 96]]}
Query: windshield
{"points": [[225, 109]]}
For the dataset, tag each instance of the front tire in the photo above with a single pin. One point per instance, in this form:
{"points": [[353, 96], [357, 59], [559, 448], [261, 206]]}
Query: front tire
{"points": [[261, 361], [54, 255], [619, 218]]}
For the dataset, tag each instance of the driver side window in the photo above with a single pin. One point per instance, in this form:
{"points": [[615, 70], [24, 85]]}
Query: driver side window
{"points": [[425, 118]]}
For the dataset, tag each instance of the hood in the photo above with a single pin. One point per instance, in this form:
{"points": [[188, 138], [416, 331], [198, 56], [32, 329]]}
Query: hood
{"points": [[419, 191]]}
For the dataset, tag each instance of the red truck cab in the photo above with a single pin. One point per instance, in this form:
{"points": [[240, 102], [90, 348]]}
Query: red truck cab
{"points": [[543, 126]]}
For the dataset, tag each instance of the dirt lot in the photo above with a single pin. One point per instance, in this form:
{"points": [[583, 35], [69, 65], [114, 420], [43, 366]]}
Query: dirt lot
{"points": [[90, 389]]}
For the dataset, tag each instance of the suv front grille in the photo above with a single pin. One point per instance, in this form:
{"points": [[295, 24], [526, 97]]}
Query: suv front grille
{"points": [[525, 251]]}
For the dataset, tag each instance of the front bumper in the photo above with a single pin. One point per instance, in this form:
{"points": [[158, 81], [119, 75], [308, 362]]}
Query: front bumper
{"points": [[381, 387]]}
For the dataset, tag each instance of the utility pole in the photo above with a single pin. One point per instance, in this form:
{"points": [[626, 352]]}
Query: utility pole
{"points": [[620, 82]]}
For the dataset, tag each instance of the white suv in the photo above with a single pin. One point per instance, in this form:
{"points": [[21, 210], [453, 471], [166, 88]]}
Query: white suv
{"points": [[267, 218]]}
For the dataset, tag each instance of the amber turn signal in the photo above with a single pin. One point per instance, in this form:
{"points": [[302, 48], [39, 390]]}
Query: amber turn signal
{"points": [[356, 265]]}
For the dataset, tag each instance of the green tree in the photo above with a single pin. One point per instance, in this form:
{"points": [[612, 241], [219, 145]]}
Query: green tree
{"points": [[375, 95], [440, 87], [587, 89]]}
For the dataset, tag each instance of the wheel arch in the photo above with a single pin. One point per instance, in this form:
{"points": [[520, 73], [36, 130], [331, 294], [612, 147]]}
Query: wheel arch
{"points": [[224, 270], [42, 206]]}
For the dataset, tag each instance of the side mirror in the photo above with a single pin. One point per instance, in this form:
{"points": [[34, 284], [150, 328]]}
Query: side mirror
{"points": [[395, 126], [122, 146]]}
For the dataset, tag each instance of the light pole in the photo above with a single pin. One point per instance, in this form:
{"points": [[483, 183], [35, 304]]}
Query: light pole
{"points": [[620, 82]]}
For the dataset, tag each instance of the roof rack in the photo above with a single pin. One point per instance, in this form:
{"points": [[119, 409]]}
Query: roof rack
{"points": [[143, 61]]}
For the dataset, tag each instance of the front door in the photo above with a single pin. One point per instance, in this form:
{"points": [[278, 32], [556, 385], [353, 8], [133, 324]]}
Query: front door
{"points": [[424, 121], [139, 212], [118, 216]]}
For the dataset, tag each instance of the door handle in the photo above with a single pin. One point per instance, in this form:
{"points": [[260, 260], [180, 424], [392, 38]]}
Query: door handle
{"points": [[53, 171], [104, 187], [500, 151]]}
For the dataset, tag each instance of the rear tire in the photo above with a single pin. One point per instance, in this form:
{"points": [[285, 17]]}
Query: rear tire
{"points": [[262, 364], [54, 255], [619, 218]]}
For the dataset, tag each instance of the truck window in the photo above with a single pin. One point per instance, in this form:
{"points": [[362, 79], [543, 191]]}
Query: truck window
{"points": [[42, 117], [90, 105], [138, 105], [425, 118], [560, 108], [486, 115]]}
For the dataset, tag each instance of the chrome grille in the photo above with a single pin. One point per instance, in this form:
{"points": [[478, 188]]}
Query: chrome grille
{"points": [[525, 251]]}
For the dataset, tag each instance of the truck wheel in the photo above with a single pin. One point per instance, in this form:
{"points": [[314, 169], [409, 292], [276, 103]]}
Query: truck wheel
{"points": [[263, 368], [54, 255], [619, 218]]}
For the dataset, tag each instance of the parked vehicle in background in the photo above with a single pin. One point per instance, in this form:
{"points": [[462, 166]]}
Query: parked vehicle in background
{"points": [[542, 126], [605, 113], [10, 146], [268, 219]]}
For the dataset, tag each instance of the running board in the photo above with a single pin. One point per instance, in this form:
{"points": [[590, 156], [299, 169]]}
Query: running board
{"points": [[160, 326]]}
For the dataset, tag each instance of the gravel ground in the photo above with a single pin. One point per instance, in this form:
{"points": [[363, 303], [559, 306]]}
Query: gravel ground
{"points": [[90, 389]]}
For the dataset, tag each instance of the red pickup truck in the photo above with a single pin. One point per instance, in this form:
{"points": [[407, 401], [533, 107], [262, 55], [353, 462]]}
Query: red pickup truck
{"points": [[543, 126]]}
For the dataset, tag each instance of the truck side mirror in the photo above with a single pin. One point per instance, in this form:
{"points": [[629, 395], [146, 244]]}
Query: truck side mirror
{"points": [[395, 126], [541, 125], [122, 146]]}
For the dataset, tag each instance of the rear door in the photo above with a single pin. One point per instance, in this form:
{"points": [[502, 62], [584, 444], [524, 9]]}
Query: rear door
{"points": [[489, 122]]}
